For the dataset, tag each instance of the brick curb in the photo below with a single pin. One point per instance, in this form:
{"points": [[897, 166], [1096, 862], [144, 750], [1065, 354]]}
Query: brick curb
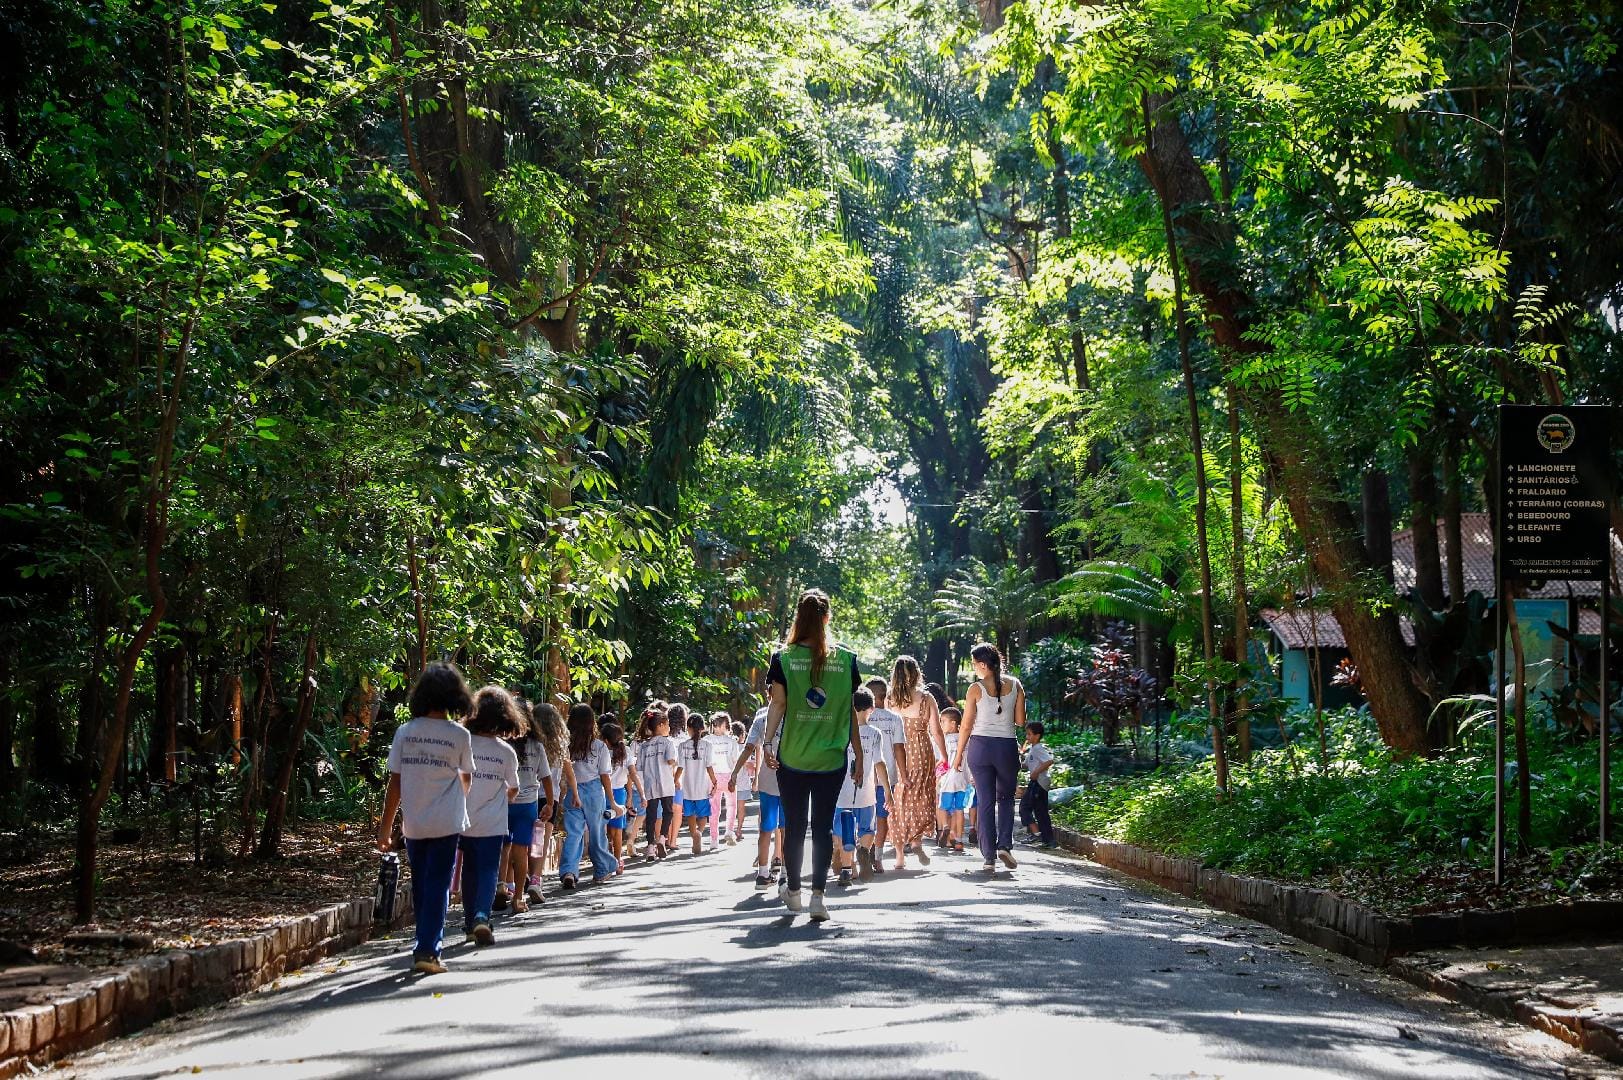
{"points": [[1339, 925], [83, 1014]]}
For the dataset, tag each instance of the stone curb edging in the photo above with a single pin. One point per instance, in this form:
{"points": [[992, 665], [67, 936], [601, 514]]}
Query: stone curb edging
{"points": [[1332, 922], [1598, 1033], [83, 1014]]}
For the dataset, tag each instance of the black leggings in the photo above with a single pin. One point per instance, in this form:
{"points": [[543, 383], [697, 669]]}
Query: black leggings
{"points": [[651, 822], [816, 792]]}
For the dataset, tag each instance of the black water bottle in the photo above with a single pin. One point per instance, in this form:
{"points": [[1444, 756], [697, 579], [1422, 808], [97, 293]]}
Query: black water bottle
{"points": [[388, 886]]}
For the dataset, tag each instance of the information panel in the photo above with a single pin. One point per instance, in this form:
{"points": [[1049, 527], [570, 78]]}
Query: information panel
{"points": [[1555, 491]]}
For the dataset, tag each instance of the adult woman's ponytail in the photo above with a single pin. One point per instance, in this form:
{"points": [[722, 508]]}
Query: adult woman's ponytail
{"points": [[811, 629], [986, 653]]}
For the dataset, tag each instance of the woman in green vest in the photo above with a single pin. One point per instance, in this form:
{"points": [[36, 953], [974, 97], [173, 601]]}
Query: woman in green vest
{"points": [[809, 689]]}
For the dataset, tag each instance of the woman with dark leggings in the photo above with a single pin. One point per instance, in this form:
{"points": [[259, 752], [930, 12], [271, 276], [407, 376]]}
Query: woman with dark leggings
{"points": [[809, 687], [994, 712]]}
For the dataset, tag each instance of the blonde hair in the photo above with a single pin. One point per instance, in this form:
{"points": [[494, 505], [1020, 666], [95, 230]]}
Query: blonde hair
{"points": [[905, 678]]}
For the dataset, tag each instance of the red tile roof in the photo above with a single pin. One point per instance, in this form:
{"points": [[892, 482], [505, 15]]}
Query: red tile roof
{"points": [[1477, 562]]}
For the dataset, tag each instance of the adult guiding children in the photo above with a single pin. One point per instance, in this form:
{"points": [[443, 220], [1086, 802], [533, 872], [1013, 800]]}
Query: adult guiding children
{"points": [[810, 687], [994, 715]]}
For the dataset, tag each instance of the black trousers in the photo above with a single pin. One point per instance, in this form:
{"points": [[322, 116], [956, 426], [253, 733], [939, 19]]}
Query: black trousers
{"points": [[1034, 805], [650, 824], [808, 799]]}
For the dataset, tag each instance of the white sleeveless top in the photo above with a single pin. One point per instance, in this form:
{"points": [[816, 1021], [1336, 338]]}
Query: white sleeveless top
{"points": [[989, 722]]}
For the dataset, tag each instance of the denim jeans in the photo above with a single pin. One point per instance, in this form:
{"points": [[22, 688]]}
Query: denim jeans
{"points": [[994, 763], [585, 829], [808, 799], [431, 864], [481, 867]]}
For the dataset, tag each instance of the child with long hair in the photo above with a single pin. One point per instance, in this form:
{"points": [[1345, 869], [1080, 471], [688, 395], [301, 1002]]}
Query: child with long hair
{"points": [[622, 778], [953, 786], [494, 719], [743, 787], [769, 844], [586, 816], [723, 752], [656, 767], [678, 714], [548, 726], [534, 778], [696, 777], [430, 771]]}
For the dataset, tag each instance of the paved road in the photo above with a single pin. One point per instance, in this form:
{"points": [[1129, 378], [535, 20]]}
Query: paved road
{"points": [[1060, 969]]}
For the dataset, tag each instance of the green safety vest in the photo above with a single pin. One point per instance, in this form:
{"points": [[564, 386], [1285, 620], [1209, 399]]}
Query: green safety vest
{"points": [[817, 722]]}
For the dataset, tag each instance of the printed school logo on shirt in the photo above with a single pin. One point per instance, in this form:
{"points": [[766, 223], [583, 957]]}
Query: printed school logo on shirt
{"points": [[655, 758], [430, 755], [895, 729], [694, 760], [854, 795], [495, 772]]}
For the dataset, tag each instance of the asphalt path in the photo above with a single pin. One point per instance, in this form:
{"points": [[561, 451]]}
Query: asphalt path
{"points": [[1057, 969]]}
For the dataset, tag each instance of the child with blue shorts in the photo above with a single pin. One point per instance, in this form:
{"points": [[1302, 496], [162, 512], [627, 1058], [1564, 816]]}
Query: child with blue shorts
{"points": [[952, 786], [855, 810], [696, 777], [622, 778], [769, 847]]}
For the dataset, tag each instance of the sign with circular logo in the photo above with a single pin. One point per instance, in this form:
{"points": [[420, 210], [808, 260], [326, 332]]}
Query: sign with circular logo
{"points": [[1555, 433]]}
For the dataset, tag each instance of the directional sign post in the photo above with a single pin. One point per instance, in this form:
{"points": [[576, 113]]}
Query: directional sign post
{"points": [[1555, 504]]}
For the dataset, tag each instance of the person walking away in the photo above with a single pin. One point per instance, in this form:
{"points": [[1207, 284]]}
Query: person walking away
{"points": [[914, 815], [430, 768], [495, 718], [524, 813], [895, 731], [810, 723], [1039, 776], [769, 844], [585, 819], [656, 764], [622, 780], [855, 809], [548, 726], [953, 786], [723, 753], [679, 714], [742, 792], [994, 710], [697, 779]]}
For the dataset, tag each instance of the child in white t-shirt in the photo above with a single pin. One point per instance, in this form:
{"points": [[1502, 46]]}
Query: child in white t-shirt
{"points": [[952, 787], [696, 777], [769, 848], [854, 813], [430, 770], [656, 766], [494, 719], [1034, 803], [723, 754]]}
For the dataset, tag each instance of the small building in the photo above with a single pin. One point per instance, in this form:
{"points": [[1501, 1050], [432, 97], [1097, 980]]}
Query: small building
{"points": [[1304, 637]]}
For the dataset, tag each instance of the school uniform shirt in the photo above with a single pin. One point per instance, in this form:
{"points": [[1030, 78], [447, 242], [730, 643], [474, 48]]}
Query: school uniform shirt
{"points": [[593, 765], [693, 759], [1036, 755], [558, 790], [766, 780], [853, 795], [532, 766], [953, 779], [619, 774], [723, 753], [495, 773], [895, 729], [655, 767], [431, 756]]}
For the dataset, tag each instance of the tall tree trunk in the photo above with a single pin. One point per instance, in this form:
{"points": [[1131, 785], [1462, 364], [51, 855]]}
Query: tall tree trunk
{"points": [[1241, 641], [1377, 505], [419, 657], [1196, 444], [1289, 442], [254, 782], [1453, 528], [1428, 566], [270, 836]]}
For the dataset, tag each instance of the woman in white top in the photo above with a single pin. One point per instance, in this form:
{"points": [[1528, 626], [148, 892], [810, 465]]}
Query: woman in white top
{"points": [[586, 817], [994, 712]]}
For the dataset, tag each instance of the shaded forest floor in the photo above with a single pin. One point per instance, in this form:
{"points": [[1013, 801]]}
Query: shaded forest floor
{"points": [[159, 897]]}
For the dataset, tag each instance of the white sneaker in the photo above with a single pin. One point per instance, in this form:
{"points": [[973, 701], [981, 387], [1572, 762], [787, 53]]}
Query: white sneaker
{"points": [[791, 898], [1008, 859], [819, 911]]}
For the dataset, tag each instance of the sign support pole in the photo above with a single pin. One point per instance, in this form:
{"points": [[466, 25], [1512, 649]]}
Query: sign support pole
{"points": [[1605, 714], [1499, 737]]}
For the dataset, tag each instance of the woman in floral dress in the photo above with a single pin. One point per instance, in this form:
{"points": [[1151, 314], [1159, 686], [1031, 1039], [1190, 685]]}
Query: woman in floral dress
{"points": [[914, 817]]}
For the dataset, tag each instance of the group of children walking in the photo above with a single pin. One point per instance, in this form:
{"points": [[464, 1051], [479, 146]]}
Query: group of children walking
{"points": [[491, 792]]}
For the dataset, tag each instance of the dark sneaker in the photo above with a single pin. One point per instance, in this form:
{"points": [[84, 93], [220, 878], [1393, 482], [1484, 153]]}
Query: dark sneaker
{"points": [[762, 882], [483, 934], [845, 877], [568, 881], [864, 864], [1008, 858], [501, 901]]}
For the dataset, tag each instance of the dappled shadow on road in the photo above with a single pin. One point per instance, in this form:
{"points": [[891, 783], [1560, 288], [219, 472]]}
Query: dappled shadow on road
{"points": [[1051, 954]]}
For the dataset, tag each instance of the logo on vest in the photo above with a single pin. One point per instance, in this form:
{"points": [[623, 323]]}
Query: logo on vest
{"points": [[816, 698]]}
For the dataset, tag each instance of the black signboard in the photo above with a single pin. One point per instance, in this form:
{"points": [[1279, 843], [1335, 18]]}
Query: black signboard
{"points": [[1555, 492]]}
